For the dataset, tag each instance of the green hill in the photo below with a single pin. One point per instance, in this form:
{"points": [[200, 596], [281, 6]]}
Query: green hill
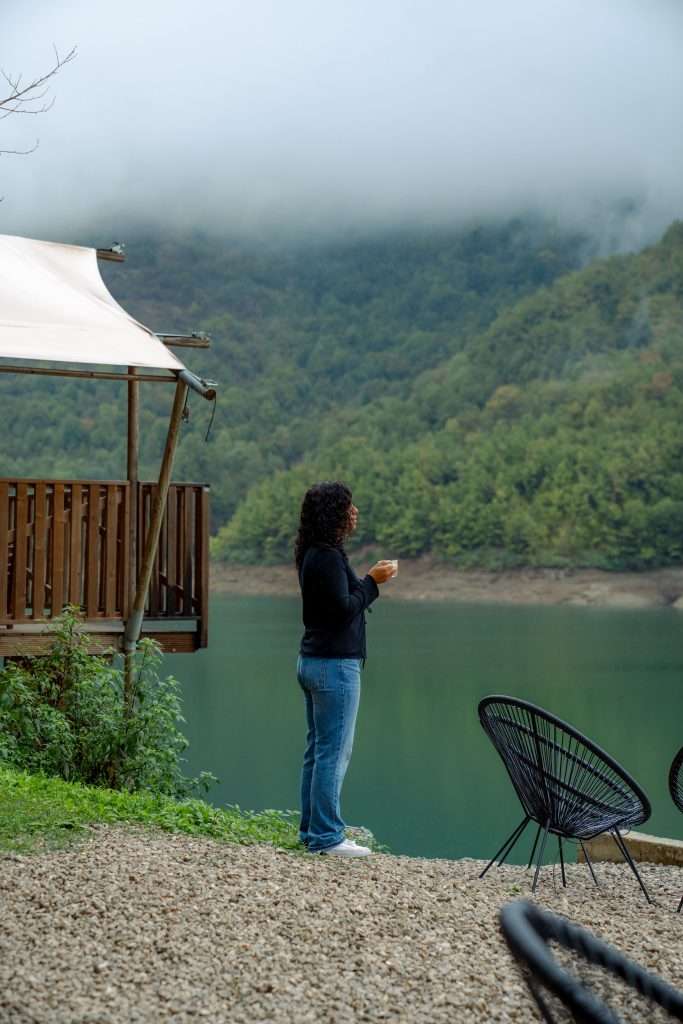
{"points": [[553, 437], [484, 398]]}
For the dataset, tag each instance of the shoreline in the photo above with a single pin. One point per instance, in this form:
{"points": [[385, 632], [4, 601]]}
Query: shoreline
{"points": [[426, 579]]}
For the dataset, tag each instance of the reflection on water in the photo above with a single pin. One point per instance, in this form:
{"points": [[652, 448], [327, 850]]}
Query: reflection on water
{"points": [[423, 776]]}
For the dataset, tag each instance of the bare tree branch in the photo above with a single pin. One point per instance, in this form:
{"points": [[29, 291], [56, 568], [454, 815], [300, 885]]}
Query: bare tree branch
{"points": [[30, 98], [20, 152]]}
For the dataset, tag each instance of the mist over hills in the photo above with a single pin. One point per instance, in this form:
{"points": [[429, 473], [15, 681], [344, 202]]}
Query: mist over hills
{"points": [[259, 117], [487, 395]]}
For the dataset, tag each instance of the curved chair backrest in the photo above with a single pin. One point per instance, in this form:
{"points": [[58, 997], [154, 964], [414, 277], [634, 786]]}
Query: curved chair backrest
{"points": [[676, 780], [527, 930], [559, 775]]}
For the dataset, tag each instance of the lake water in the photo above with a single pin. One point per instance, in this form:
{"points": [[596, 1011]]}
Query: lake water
{"points": [[424, 777]]}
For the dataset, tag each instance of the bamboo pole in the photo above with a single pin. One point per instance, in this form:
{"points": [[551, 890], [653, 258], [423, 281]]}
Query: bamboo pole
{"points": [[135, 616], [207, 389], [40, 371], [133, 477], [132, 472]]}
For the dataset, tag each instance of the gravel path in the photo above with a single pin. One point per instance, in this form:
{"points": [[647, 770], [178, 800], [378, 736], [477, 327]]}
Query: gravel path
{"points": [[133, 925]]}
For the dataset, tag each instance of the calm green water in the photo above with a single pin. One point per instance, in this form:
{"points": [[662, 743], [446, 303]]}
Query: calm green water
{"points": [[423, 776]]}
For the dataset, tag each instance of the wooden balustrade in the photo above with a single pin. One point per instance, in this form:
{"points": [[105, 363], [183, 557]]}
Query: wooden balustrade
{"points": [[67, 542], [179, 587]]}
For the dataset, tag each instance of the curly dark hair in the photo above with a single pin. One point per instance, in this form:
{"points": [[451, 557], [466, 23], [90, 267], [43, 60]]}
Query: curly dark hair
{"points": [[324, 517]]}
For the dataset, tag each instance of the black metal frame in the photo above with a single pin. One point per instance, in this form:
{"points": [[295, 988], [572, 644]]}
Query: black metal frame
{"points": [[676, 789], [527, 930], [566, 784]]}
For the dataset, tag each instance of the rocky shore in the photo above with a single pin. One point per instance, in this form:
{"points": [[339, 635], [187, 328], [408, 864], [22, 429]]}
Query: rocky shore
{"points": [[139, 926], [425, 579]]}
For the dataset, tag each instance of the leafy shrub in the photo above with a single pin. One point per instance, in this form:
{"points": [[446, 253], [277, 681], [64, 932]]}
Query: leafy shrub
{"points": [[69, 713]]}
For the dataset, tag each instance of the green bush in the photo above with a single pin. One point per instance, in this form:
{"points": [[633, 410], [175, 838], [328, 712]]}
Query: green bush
{"points": [[69, 713]]}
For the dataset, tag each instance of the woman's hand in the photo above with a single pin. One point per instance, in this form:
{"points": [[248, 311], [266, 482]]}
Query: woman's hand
{"points": [[382, 571]]}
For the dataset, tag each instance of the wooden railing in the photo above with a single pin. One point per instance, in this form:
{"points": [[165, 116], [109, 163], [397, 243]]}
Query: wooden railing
{"points": [[68, 542], [63, 541], [179, 587]]}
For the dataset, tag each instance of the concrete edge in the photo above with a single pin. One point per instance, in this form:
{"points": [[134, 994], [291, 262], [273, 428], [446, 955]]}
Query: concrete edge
{"points": [[649, 849]]}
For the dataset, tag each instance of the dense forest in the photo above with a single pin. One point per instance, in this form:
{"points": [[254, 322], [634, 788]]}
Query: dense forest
{"points": [[491, 395]]}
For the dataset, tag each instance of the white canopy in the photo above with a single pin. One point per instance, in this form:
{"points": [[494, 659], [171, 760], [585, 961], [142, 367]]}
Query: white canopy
{"points": [[55, 306]]}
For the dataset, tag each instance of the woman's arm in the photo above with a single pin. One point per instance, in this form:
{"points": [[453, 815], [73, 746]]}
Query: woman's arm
{"points": [[332, 585]]}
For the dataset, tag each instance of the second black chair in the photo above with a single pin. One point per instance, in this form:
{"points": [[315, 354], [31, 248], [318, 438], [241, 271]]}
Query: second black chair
{"points": [[676, 789], [566, 784]]}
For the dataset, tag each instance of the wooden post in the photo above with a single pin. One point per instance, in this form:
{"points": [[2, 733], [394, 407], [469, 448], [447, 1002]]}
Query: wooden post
{"points": [[135, 616], [133, 478], [132, 473]]}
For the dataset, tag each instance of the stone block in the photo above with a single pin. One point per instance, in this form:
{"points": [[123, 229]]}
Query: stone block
{"points": [[650, 849]]}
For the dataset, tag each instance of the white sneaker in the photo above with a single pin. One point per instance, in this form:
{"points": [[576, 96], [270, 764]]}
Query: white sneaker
{"points": [[347, 848]]}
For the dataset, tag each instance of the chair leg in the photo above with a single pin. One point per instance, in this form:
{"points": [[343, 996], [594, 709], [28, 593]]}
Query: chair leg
{"points": [[588, 862], [504, 856], [564, 877], [623, 849], [507, 846], [540, 855], [540, 1001], [533, 848]]}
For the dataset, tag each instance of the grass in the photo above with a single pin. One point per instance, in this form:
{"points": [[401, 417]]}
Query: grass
{"points": [[37, 813]]}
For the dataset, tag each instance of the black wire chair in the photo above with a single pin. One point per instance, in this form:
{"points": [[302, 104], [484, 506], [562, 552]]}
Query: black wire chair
{"points": [[676, 788], [566, 784], [528, 931]]}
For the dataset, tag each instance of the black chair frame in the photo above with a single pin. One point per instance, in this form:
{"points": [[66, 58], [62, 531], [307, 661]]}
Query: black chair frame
{"points": [[527, 930], [676, 788], [567, 785]]}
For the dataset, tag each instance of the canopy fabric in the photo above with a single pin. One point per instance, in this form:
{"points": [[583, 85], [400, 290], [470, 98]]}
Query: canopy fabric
{"points": [[54, 306]]}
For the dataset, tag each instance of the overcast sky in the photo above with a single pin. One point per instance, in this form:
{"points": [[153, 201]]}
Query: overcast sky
{"points": [[344, 113]]}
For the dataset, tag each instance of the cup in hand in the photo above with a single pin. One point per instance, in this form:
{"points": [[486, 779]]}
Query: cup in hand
{"points": [[394, 562]]}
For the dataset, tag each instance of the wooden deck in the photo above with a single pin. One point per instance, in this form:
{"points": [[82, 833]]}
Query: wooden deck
{"points": [[68, 542]]}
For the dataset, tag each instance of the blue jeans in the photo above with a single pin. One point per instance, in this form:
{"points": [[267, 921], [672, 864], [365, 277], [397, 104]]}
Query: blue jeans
{"points": [[331, 689]]}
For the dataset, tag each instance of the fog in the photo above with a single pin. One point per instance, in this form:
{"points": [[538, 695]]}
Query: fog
{"points": [[328, 117]]}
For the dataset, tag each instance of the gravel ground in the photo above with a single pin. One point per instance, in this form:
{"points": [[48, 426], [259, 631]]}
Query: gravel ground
{"points": [[131, 925]]}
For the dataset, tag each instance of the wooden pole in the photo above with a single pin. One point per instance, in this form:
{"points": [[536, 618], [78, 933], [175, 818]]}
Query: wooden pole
{"points": [[133, 478], [134, 623], [132, 472], [41, 371]]}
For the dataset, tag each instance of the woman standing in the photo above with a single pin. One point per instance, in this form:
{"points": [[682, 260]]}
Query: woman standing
{"points": [[329, 664]]}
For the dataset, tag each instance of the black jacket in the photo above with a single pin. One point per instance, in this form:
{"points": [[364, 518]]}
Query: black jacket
{"points": [[335, 600]]}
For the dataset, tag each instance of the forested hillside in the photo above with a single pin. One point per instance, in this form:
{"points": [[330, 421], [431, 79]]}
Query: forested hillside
{"points": [[553, 437], [484, 398]]}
